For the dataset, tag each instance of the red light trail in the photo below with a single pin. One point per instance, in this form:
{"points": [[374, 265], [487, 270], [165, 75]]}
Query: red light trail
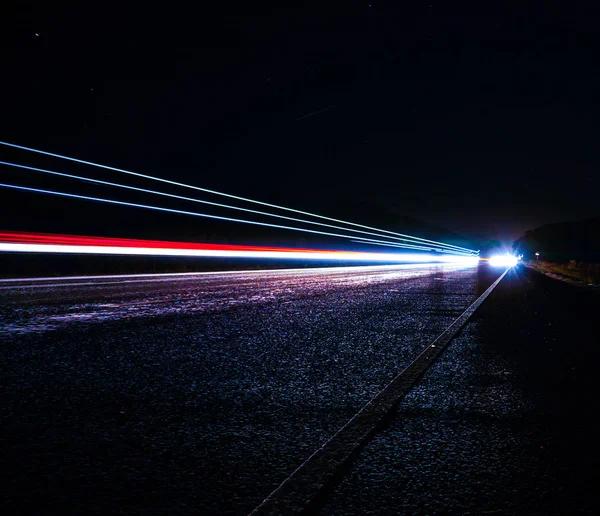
{"points": [[396, 236], [69, 244]]}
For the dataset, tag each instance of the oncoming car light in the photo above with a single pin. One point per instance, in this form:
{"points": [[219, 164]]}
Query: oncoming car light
{"points": [[503, 260]]}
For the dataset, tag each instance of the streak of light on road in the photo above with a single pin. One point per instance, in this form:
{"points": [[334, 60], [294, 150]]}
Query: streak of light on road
{"points": [[44, 243], [239, 198], [207, 216], [410, 240]]}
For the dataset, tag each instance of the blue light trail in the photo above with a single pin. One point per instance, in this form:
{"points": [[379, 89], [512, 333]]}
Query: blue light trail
{"points": [[211, 203], [214, 192], [205, 215]]}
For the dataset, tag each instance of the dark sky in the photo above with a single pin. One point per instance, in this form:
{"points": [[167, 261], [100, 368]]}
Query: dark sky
{"points": [[481, 119]]}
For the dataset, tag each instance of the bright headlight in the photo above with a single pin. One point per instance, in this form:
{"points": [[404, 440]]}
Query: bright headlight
{"points": [[503, 260]]}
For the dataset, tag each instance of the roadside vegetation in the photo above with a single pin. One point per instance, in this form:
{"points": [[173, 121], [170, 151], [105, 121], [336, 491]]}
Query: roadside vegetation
{"points": [[587, 273], [569, 250]]}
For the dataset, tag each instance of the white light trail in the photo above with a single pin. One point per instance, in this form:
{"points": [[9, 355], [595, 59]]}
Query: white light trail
{"points": [[430, 248], [170, 276], [205, 215], [214, 192], [180, 197], [210, 253]]}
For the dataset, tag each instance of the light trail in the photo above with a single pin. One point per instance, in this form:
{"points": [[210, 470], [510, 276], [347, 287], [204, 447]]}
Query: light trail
{"points": [[350, 256], [214, 192], [432, 248], [173, 276], [205, 215], [313, 113], [43, 243], [211, 203]]}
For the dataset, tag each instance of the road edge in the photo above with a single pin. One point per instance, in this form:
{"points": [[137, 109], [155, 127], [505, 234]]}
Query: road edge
{"points": [[299, 491]]}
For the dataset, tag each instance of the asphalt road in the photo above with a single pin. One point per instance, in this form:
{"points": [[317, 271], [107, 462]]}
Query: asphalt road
{"points": [[199, 393], [505, 422]]}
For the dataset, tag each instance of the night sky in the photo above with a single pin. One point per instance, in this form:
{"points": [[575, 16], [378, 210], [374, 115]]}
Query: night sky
{"points": [[484, 120]]}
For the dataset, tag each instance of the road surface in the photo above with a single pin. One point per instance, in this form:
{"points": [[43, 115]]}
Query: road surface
{"points": [[505, 422], [200, 393]]}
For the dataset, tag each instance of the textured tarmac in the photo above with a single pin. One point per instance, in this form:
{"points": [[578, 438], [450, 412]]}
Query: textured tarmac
{"points": [[504, 423], [199, 394]]}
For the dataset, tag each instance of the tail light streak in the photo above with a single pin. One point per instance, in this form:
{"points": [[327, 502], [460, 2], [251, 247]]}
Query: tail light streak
{"points": [[219, 205], [205, 215], [214, 192], [44, 243]]}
